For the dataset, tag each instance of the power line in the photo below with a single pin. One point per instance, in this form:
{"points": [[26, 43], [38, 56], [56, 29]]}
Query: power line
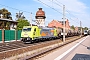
{"points": [[50, 7], [60, 2], [15, 8], [56, 3], [66, 10], [56, 10], [41, 2]]}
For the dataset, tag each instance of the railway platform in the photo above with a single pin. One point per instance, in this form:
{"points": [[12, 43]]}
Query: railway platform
{"points": [[76, 50]]}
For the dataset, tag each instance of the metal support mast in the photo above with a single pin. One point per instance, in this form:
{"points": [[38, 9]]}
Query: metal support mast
{"points": [[31, 19], [63, 23], [81, 28]]}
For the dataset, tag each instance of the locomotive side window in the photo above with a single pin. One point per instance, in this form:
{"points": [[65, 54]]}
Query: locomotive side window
{"points": [[35, 29]]}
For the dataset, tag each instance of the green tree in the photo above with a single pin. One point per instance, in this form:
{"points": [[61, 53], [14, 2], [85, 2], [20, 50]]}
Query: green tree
{"points": [[21, 23], [7, 25], [72, 27], [6, 14], [20, 15], [0, 13], [86, 28]]}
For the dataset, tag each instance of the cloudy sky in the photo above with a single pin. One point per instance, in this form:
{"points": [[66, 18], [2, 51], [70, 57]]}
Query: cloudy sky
{"points": [[75, 10]]}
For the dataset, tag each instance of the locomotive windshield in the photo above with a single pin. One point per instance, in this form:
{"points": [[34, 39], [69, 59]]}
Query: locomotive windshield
{"points": [[27, 29]]}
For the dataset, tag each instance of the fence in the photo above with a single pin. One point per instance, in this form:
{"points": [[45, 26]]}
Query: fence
{"points": [[0, 35], [9, 35], [18, 34]]}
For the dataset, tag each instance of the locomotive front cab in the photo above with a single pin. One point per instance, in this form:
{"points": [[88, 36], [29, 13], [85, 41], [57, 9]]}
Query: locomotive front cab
{"points": [[30, 33], [26, 34]]}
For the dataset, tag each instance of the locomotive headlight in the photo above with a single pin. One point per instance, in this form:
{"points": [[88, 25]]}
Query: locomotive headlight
{"points": [[28, 38], [21, 39]]}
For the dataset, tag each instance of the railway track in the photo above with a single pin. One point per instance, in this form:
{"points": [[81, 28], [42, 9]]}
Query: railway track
{"points": [[47, 51], [17, 48], [12, 45]]}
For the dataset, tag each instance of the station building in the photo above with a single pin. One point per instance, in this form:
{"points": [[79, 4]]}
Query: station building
{"points": [[7, 24]]}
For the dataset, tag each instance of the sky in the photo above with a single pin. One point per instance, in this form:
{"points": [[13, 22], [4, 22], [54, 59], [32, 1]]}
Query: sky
{"points": [[75, 10]]}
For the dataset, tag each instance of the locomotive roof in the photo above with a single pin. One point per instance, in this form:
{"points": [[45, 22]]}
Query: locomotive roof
{"points": [[45, 27]]}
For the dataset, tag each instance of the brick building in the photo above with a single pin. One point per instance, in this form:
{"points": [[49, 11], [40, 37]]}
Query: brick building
{"points": [[59, 24]]}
